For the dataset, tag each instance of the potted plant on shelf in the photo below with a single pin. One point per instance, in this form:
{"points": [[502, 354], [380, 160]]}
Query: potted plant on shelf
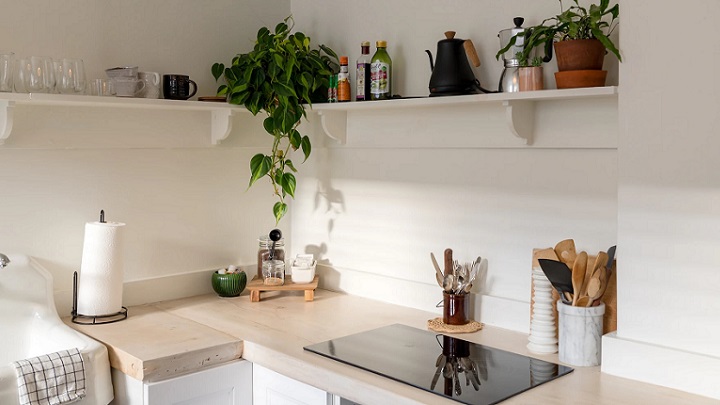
{"points": [[530, 75], [280, 77], [580, 37]]}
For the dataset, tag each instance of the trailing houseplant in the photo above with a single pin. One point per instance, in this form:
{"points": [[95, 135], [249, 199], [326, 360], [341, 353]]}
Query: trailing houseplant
{"points": [[574, 23], [280, 77]]}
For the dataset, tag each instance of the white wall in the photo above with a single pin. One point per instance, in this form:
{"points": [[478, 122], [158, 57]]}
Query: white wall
{"points": [[186, 208], [668, 194], [376, 212]]}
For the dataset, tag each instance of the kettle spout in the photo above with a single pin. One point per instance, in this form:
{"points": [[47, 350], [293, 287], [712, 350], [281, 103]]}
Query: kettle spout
{"points": [[432, 65]]}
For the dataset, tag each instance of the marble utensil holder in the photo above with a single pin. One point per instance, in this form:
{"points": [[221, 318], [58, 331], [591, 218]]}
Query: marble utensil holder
{"points": [[580, 334]]}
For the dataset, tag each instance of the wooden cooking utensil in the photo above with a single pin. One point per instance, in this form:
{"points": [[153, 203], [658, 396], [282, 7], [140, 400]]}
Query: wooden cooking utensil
{"points": [[600, 261], [565, 251], [578, 276], [448, 262], [584, 301]]}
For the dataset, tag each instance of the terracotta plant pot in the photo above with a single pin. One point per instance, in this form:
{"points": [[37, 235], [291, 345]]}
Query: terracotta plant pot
{"points": [[530, 78], [579, 54], [572, 79]]}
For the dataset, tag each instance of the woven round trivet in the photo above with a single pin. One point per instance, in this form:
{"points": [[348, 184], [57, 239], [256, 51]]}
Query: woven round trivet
{"points": [[438, 325]]}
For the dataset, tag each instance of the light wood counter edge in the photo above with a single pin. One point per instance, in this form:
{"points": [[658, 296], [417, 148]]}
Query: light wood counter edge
{"points": [[267, 344]]}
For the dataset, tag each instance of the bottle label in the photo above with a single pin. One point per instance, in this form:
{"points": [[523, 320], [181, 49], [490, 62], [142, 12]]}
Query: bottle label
{"points": [[360, 82], [380, 78], [343, 89]]}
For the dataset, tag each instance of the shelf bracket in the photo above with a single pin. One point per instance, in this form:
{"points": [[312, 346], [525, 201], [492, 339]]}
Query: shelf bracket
{"points": [[220, 125], [520, 118], [6, 119], [334, 124]]}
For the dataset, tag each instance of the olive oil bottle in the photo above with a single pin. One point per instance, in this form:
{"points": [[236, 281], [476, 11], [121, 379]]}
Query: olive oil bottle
{"points": [[381, 73]]}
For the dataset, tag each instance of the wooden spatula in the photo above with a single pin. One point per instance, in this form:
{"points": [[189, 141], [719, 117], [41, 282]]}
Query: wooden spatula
{"points": [[578, 276], [565, 251]]}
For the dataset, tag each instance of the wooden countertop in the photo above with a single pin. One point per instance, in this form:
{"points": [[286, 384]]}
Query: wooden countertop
{"points": [[180, 336]]}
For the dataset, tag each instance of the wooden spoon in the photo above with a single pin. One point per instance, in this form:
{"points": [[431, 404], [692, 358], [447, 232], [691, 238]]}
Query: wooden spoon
{"points": [[565, 251], [600, 261], [584, 301], [578, 276], [597, 285]]}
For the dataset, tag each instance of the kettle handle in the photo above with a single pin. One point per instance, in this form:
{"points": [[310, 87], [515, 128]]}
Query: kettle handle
{"points": [[471, 52], [432, 66]]}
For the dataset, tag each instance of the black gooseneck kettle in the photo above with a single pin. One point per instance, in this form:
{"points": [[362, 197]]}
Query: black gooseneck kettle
{"points": [[451, 72]]}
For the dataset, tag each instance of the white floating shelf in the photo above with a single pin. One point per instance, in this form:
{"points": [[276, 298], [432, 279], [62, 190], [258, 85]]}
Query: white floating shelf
{"points": [[519, 108], [220, 113]]}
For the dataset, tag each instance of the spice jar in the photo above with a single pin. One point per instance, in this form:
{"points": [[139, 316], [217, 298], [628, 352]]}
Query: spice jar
{"points": [[264, 246], [273, 272]]}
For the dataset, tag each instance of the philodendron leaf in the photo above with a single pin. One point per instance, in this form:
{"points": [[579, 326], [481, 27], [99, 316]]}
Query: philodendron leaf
{"points": [[259, 166], [284, 90], [279, 210], [289, 164], [288, 184], [306, 147], [295, 139], [269, 125], [217, 70]]}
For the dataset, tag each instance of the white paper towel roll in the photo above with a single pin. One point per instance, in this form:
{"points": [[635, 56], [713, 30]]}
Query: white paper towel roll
{"points": [[100, 288]]}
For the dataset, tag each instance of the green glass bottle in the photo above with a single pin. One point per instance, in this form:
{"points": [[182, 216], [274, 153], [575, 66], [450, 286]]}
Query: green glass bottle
{"points": [[381, 73]]}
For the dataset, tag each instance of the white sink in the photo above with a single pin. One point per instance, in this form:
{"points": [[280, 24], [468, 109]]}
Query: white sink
{"points": [[30, 326]]}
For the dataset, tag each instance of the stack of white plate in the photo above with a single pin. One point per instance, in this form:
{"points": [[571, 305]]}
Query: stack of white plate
{"points": [[542, 327]]}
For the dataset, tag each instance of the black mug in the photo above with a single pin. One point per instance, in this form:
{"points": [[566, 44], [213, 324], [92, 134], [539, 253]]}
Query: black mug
{"points": [[177, 87]]}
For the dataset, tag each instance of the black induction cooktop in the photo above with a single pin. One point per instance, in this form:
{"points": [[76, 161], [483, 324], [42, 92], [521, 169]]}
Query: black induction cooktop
{"points": [[466, 372]]}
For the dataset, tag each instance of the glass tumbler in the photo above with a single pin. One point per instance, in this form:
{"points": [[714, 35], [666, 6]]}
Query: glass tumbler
{"points": [[34, 75], [6, 71], [70, 76]]}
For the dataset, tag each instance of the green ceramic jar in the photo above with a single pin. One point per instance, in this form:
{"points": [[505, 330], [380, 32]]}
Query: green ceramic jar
{"points": [[229, 284]]}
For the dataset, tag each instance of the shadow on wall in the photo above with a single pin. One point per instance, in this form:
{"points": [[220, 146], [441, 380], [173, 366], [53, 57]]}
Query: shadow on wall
{"points": [[332, 199]]}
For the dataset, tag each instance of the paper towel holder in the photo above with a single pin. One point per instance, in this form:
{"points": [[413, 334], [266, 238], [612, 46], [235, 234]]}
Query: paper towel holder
{"points": [[93, 319]]}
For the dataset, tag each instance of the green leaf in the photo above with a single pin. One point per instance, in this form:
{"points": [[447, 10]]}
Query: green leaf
{"points": [[269, 125], [217, 70], [279, 210], [284, 89], [329, 51], [295, 139], [306, 147], [288, 184], [259, 166], [281, 29], [289, 164], [222, 90], [608, 44], [278, 178]]}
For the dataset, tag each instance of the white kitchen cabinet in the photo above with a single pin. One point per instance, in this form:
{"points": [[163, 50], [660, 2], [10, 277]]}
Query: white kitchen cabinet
{"points": [[271, 388], [226, 384]]}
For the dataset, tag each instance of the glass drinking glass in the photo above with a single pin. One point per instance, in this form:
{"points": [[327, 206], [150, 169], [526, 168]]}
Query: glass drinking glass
{"points": [[70, 76], [34, 75], [100, 87], [6, 71]]}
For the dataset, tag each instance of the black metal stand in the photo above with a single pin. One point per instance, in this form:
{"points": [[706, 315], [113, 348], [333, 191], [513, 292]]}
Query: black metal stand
{"points": [[93, 319]]}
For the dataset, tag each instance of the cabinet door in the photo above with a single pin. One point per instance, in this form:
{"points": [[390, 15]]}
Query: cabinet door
{"points": [[227, 384], [271, 388]]}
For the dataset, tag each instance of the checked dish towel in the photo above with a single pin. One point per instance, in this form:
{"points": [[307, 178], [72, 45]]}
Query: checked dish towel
{"points": [[51, 379]]}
